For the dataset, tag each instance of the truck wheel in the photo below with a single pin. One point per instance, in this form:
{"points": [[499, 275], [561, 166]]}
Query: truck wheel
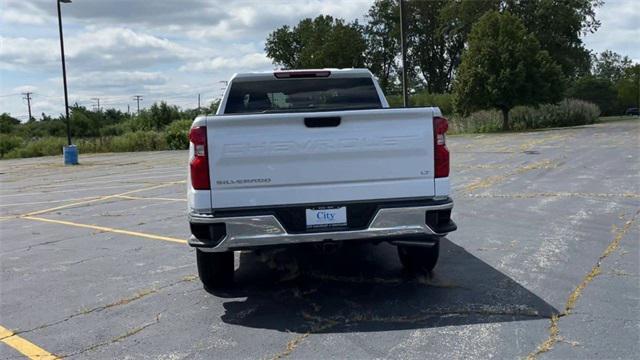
{"points": [[215, 269], [419, 258]]}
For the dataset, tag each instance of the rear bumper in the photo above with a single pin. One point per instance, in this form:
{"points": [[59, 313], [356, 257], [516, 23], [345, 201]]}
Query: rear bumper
{"points": [[417, 218]]}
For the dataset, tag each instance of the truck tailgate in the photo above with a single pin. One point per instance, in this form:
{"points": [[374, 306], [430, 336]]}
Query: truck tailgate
{"points": [[277, 159]]}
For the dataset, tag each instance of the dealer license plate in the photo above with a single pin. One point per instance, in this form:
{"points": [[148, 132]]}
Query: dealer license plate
{"points": [[326, 217]]}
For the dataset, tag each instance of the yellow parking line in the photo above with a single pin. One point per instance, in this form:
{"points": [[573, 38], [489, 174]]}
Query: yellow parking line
{"points": [[147, 198], [25, 347], [101, 198], [48, 201], [107, 229]]}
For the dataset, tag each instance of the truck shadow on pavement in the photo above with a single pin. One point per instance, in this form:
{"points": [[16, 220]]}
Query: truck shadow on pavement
{"points": [[362, 287]]}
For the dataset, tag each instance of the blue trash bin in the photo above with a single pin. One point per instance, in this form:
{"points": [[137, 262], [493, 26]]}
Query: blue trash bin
{"points": [[70, 155]]}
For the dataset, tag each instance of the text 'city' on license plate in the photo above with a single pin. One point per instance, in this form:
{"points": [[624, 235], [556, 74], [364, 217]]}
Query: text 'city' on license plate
{"points": [[326, 217]]}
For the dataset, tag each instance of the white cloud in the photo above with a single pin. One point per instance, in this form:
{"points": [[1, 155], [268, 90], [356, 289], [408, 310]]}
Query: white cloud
{"points": [[106, 48], [248, 62], [123, 12], [25, 88], [243, 19], [21, 53], [123, 48], [619, 31], [22, 13], [104, 81]]}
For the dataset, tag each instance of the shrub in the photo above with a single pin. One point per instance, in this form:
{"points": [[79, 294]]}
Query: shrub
{"points": [[177, 134], [478, 122], [133, 141], [568, 112], [423, 98], [113, 130], [138, 141], [8, 143], [38, 147]]}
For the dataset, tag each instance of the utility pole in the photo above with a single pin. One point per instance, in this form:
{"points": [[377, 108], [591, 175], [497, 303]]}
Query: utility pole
{"points": [[138, 98], [64, 72], [198, 102], [403, 49], [128, 111], [98, 100], [27, 96]]}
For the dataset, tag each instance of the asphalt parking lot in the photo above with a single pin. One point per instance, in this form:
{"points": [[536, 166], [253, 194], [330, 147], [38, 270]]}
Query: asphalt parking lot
{"points": [[545, 264]]}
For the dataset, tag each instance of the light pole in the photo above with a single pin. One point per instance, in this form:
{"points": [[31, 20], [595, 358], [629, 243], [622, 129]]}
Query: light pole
{"points": [[70, 153], [403, 50]]}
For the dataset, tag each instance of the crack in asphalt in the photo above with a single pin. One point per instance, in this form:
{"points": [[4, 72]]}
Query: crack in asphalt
{"points": [[321, 324], [555, 194], [487, 182], [116, 339], [554, 329], [137, 296]]}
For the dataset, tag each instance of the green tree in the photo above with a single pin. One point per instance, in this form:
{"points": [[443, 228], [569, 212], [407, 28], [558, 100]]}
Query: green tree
{"points": [[382, 36], [436, 35], [112, 117], [438, 32], [161, 115], [81, 124], [610, 65], [8, 123], [504, 67], [213, 107], [317, 43], [558, 26], [629, 87], [429, 52], [596, 90], [457, 19], [177, 134]]}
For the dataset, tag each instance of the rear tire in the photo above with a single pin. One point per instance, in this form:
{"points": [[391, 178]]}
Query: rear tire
{"points": [[419, 258], [215, 269]]}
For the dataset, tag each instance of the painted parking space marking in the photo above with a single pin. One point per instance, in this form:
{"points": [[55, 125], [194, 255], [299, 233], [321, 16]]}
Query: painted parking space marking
{"points": [[107, 229], [141, 177], [148, 198], [50, 201], [23, 346], [101, 198]]}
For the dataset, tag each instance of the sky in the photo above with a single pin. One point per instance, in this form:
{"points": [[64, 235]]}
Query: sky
{"points": [[175, 50]]}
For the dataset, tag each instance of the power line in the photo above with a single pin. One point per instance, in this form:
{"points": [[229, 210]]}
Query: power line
{"points": [[27, 96], [98, 100], [138, 98]]}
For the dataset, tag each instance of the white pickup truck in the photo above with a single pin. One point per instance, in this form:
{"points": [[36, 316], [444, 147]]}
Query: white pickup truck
{"points": [[312, 156]]}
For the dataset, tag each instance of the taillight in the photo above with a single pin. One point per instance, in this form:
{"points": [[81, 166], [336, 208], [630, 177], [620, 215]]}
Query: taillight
{"points": [[441, 153], [199, 164]]}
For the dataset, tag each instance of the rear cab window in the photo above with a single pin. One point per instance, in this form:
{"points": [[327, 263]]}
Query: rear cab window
{"points": [[302, 95]]}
